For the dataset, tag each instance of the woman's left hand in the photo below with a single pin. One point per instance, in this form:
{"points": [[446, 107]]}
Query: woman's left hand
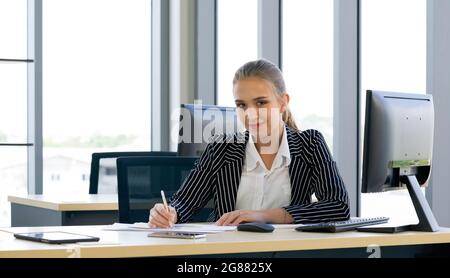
{"points": [[238, 216]]}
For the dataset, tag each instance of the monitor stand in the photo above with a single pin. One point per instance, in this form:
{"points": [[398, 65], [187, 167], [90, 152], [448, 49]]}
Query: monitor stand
{"points": [[427, 221]]}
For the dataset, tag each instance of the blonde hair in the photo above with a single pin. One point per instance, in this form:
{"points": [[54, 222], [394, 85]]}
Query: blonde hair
{"points": [[268, 71]]}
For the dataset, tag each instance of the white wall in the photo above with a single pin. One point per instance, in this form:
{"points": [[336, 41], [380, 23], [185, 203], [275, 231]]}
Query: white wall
{"points": [[438, 84]]}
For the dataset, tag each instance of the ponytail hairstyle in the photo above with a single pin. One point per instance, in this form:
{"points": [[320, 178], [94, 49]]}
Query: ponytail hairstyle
{"points": [[268, 71]]}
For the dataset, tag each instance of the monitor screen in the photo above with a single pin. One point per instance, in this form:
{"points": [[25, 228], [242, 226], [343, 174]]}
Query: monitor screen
{"points": [[398, 139], [198, 123]]}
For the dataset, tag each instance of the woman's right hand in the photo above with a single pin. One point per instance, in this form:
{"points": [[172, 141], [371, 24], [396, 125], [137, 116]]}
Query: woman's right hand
{"points": [[160, 217]]}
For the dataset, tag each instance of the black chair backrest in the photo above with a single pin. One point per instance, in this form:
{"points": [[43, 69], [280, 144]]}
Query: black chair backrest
{"points": [[141, 179], [95, 164]]}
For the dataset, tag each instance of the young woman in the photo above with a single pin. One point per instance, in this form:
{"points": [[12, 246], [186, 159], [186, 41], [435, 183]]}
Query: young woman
{"points": [[267, 174]]}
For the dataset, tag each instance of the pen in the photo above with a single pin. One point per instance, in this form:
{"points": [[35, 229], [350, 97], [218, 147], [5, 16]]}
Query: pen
{"points": [[164, 200]]}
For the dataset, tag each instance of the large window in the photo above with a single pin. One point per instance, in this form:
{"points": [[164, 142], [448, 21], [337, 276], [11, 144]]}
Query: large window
{"points": [[237, 43], [96, 85], [393, 58], [393, 45], [13, 103], [13, 29], [307, 63]]}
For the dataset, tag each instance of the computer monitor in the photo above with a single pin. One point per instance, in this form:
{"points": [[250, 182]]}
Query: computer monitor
{"points": [[398, 145], [199, 122]]}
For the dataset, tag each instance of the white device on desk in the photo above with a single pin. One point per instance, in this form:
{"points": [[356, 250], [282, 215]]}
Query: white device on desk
{"points": [[171, 234]]}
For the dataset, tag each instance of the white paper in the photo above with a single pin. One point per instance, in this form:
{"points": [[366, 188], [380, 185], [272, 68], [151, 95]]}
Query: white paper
{"points": [[196, 228], [120, 227]]}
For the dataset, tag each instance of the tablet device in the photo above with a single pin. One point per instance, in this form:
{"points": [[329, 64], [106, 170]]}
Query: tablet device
{"points": [[55, 237], [188, 235]]}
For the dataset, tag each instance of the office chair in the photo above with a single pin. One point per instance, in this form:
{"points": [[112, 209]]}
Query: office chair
{"points": [[95, 164], [141, 179]]}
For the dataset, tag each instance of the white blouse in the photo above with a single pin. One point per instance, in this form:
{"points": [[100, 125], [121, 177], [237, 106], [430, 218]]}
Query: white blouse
{"points": [[261, 188]]}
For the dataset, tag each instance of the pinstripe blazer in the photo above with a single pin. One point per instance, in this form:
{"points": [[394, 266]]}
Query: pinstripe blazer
{"points": [[217, 173]]}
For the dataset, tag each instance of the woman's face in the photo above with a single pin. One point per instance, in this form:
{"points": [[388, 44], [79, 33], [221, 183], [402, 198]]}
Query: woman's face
{"points": [[258, 107]]}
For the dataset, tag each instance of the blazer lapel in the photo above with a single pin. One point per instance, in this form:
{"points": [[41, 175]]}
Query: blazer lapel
{"points": [[230, 174], [299, 169]]}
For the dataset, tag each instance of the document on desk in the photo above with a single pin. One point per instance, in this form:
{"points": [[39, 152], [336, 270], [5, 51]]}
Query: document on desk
{"points": [[186, 228]]}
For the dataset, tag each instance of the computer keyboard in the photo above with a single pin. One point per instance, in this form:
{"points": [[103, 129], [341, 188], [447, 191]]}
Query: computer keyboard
{"points": [[341, 226]]}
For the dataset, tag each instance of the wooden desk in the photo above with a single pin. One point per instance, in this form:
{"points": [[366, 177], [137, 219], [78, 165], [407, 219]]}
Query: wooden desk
{"points": [[280, 243], [60, 210]]}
